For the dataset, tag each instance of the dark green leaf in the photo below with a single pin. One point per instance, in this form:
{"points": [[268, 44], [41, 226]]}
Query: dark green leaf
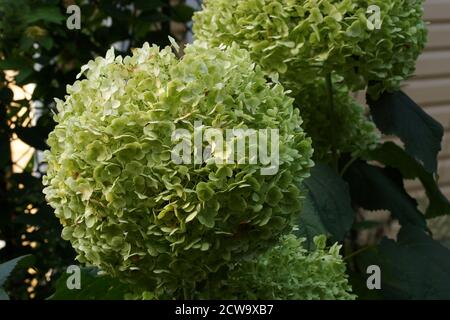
{"points": [[328, 205], [47, 14], [6, 95], [148, 4], [414, 267], [310, 224], [36, 136], [93, 287], [375, 188], [366, 224], [46, 42], [3, 295], [396, 114], [182, 13], [8, 267], [15, 63], [32, 137], [358, 281], [392, 155], [20, 64], [23, 76]]}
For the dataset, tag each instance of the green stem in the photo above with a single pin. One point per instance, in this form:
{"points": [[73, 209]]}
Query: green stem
{"points": [[347, 165], [330, 94], [355, 253], [185, 292], [330, 90]]}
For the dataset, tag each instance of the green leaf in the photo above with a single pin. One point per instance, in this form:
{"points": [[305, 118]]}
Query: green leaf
{"points": [[15, 63], [414, 267], [47, 42], [23, 76], [47, 14], [355, 30], [3, 295], [148, 4], [366, 224], [358, 282], [392, 155], [310, 224], [36, 136], [204, 191], [20, 64], [92, 287], [328, 205], [396, 114], [8, 267], [375, 188], [182, 13], [32, 136], [207, 218], [6, 96]]}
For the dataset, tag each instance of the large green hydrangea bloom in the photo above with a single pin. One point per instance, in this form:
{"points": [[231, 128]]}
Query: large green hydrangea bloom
{"points": [[127, 207], [288, 272], [304, 39]]}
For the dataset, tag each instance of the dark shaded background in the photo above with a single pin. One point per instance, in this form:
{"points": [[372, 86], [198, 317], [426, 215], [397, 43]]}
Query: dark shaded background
{"points": [[37, 45]]}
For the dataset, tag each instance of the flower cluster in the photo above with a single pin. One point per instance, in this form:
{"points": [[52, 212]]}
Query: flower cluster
{"points": [[128, 208], [288, 272], [335, 121], [305, 39]]}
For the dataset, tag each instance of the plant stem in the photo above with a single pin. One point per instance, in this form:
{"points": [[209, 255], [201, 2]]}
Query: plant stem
{"points": [[6, 171], [347, 165], [329, 87], [185, 292], [355, 253]]}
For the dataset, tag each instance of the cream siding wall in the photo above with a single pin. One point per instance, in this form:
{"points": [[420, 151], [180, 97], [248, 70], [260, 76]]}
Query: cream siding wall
{"points": [[430, 87]]}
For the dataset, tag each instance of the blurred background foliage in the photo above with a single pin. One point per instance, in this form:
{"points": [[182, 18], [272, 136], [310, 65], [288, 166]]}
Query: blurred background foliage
{"points": [[39, 56]]}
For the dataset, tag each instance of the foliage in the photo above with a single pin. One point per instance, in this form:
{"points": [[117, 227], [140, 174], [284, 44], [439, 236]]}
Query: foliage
{"points": [[38, 47], [320, 37], [393, 156], [414, 267], [421, 135], [327, 206], [376, 188], [111, 174], [7, 268]]}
